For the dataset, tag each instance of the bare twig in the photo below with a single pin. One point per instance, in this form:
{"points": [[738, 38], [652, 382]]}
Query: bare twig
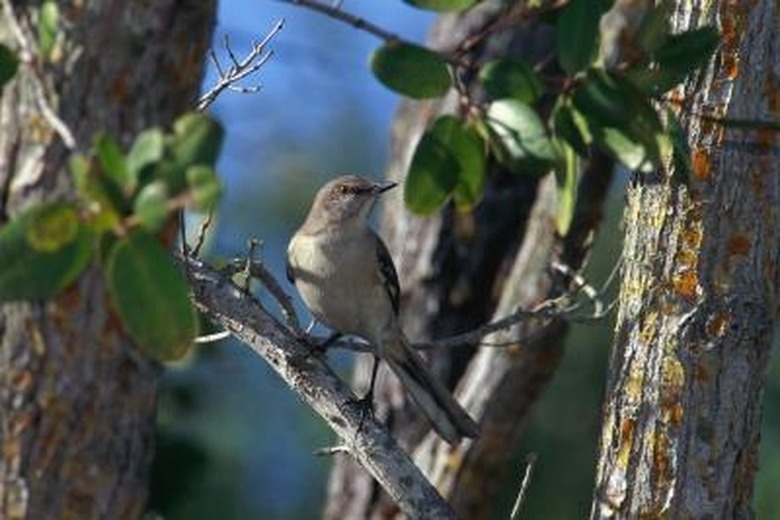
{"points": [[331, 450], [260, 272], [334, 11], [202, 229], [211, 338], [530, 461], [30, 56], [239, 69]]}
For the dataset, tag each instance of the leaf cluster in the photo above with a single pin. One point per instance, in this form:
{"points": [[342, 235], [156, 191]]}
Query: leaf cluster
{"points": [[599, 102], [124, 202]]}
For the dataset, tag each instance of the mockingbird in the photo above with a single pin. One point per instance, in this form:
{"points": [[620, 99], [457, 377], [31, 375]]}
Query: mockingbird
{"points": [[347, 279]]}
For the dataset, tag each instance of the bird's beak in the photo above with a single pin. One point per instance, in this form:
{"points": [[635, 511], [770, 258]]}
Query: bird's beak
{"points": [[381, 188]]}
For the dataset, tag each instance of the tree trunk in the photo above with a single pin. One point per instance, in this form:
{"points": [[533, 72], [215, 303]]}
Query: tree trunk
{"points": [[460, 270], [77, 401], [699, 293]]}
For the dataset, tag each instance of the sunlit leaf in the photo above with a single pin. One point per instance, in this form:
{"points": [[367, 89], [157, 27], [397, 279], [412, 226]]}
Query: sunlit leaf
{"points": [[52, 227], [566, 176], [48, 23], [510, 79], [524, 145], [151, 205], [150, 296], [147, 149], [570, 126], [35, 262], [411, 70], [93, 189], [633, 153]]}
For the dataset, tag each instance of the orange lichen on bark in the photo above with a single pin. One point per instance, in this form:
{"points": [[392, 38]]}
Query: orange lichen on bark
{"points": [[717, 324], [686, 284], [627, 428], [663, 472], [700, 162]]}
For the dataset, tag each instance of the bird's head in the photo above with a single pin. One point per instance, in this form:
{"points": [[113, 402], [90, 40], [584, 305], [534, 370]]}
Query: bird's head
{"points": [[347, 199]]}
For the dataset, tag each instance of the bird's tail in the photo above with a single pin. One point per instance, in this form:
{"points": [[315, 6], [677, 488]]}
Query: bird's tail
{"points": [[449, 420]]}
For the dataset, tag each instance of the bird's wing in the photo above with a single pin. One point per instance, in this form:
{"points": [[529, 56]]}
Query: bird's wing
{"points": [[388, 273]]}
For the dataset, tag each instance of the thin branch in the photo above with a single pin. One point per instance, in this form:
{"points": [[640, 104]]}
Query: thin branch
{"points": [[331, 450], [260, 272], [239, 69], [30, 56], [202, 229], [334, 11], [530, 461]]}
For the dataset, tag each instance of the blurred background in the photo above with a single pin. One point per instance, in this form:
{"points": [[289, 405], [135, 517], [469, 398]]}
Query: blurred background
{"points": [[234, 442]]}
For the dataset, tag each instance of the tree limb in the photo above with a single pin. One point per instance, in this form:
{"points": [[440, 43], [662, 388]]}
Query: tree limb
{"points": [[367, 440]]}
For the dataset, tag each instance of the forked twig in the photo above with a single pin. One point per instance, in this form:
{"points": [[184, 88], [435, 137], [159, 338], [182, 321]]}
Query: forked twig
{"points": [[239, 69]]}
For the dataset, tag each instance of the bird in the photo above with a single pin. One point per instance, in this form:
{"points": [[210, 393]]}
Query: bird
{"points": [[346, 278]]}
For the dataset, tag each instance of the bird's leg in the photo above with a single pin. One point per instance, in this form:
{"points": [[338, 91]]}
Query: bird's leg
{"points": [[366, 403]]}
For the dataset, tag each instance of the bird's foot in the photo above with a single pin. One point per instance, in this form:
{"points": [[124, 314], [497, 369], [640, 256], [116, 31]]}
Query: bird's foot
{"points": [[318, 347], [366, 406]]}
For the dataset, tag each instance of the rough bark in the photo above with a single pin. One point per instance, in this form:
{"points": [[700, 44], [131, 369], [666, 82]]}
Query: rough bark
{"points": [[457, 272], [77, 402], [699, 293]]}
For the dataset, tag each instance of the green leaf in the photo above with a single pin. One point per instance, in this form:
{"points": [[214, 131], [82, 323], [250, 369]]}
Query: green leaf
{"points": [[36, 261], [601, 98], [151, 205], [93, 189], [510, 79], [148, 148], [48, 22], [204, 186], [685, 52], [442, 5], [411, 70], [9, 64], [150, 295], [570, 126], [566, 177], [433, 174], [52, 226], [521, 138], [113, 163], [197, 139], [467, 150], [627, 124], [577, 34], [633, 153]]}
